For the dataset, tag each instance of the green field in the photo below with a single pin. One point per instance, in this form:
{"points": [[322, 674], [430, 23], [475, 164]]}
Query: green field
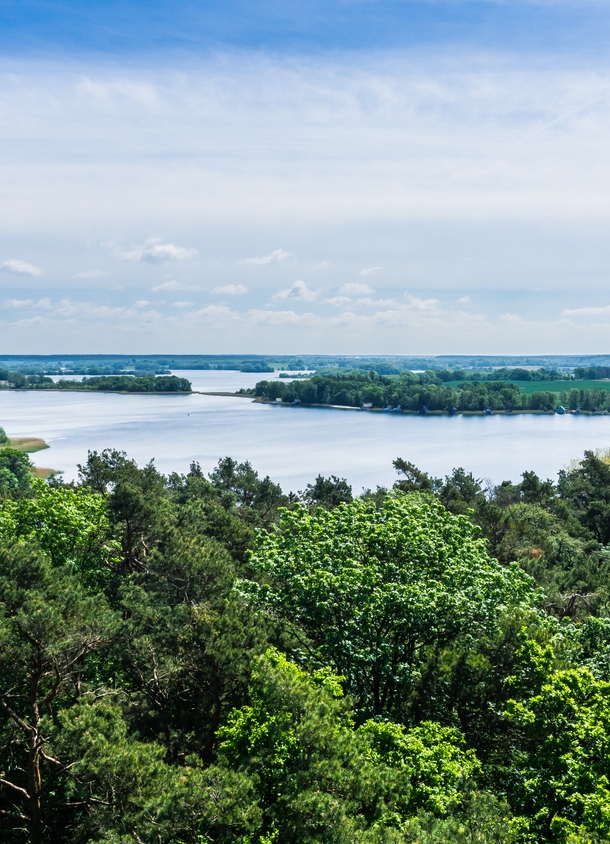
{"points": [[530, 387]]}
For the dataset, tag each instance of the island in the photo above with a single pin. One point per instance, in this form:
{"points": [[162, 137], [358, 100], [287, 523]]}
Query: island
{"points": [[442, 392], [15, 380]]}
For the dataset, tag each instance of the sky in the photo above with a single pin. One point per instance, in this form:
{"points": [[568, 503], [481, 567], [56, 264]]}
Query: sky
{"points": [[356, 177]]}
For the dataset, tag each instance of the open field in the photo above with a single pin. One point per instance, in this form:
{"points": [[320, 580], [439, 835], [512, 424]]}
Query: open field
{"points": [[529, 387]]}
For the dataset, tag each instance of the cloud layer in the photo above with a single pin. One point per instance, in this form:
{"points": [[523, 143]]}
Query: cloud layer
{"points": [[311, 193]]}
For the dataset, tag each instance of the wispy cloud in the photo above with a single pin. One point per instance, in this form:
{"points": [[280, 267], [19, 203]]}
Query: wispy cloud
{"points": [[603, 311], [17, 303], [273, 258], [183, 304], [142, 303], [20, 268], [422, 304], [356, 288], [299, 290], [230, 290], [175, 285], [338, 301], [464, 300], [446, 150], [156, 252]]}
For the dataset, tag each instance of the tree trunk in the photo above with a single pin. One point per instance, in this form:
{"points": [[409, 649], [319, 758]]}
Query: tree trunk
{"points": [[34, 789]]}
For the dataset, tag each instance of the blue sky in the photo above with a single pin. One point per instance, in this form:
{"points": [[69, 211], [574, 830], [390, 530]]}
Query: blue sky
{"points": [[352, 177], [284, 26]]}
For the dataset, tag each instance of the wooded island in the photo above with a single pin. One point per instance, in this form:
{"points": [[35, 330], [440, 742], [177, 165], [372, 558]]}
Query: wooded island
{"points": [[441, 391]]}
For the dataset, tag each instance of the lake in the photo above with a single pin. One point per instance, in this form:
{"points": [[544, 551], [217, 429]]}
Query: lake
{"points": [[292, 445]]}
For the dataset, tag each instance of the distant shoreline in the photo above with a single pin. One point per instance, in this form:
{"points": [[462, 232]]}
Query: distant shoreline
{"points": [[109, 392], [516, 412]]}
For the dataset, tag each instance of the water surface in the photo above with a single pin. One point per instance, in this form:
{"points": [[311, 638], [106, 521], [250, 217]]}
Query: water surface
{"points": [[292, 445]]}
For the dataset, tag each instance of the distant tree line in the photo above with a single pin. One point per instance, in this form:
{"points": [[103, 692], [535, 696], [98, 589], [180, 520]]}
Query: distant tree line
{"points": [[592, 373], [105, 383]]}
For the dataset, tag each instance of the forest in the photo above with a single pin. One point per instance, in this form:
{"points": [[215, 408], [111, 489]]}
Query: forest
{"points": [[192, 658], [428, 392], [101, 383]]}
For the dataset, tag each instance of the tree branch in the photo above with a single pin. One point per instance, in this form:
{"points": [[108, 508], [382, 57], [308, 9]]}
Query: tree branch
{"points": [[19, 721], [16, 788]]}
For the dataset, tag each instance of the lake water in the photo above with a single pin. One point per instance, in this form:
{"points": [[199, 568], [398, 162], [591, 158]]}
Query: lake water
{"points": [[292, 445]]}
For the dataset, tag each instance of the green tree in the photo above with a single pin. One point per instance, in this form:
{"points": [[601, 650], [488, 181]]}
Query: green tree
{"points": [[15, 473], [258, 498], [327, 492], [561, 780], [48, 628], [70, 524], [377, 590], [316, 778]]}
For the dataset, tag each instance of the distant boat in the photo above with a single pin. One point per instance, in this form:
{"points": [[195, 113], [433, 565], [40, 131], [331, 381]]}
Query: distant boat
{"points": [[487, 410]]}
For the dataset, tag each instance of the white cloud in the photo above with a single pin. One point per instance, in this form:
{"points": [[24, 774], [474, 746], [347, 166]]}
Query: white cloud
{"points": [[369, 270], [89, 274], [231, 290], [175, 285], [273, 258], [422, 304], [464, 300], [603, 311], [20, 268], [142, 303], [356, 288], [17, 303], [447, 155], [182, 304], [339, 301], [156, 252], [299, 290]]}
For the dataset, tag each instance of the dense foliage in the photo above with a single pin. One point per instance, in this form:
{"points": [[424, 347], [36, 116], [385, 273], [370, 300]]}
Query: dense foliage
{"points": [[407, 392], [105, 383], [194, 658], [430, 391]]}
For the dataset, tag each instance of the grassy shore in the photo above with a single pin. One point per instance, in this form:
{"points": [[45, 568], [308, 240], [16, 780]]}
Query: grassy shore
{"points": [[27, 444], [44, 472]]}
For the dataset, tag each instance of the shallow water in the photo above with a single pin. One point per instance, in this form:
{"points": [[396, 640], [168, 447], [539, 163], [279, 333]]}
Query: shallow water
{"points": [[292, 445]]}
